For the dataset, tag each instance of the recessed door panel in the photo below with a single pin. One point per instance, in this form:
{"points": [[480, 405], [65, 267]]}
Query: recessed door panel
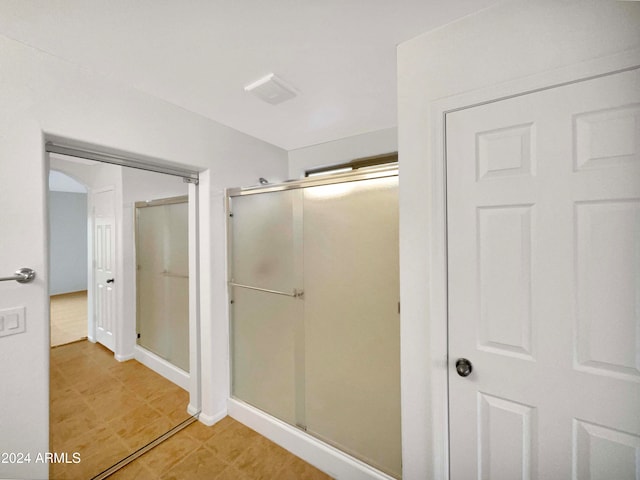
{"points": [[601, 453], [607, 288], [504, 256], [506, 449]]}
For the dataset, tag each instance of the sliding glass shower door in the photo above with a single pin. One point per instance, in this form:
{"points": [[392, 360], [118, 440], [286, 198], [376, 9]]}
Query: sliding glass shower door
{"points": [[267, 311], [352, 324], [315, 321], [162, 279]]}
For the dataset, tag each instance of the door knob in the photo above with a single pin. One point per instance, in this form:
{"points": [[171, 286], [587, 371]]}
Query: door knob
{"points": [[110, 280], [463, 367]]}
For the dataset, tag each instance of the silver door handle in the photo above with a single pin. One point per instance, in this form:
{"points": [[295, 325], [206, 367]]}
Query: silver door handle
{"points": [[24, 275], [296, 293]]}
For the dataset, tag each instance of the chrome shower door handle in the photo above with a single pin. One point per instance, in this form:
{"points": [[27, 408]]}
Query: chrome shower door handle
{"points": [[24, 275]]}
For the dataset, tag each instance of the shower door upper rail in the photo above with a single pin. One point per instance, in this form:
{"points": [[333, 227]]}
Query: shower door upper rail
{"points": [[369, 173], [296, 293], [127, 160]]}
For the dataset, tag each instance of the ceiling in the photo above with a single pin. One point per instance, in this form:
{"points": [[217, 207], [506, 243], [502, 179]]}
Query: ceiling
{"points": [[199, 54]]}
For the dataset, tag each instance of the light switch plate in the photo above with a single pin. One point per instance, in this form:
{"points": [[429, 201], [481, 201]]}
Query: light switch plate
{"points": [[12, 321]]}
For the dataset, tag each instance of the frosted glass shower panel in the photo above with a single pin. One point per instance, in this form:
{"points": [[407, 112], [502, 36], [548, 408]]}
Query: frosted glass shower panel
{"points": [[315, 328], [264, 240], [162, 281], [263, 336], [352, 324]]}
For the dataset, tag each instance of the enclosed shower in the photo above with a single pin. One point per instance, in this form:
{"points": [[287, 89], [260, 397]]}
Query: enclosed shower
{"points": [[314, 286]]}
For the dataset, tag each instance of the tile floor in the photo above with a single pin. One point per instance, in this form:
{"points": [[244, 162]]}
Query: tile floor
{"points": [[68, 317], [106, 410], [226, 451]]}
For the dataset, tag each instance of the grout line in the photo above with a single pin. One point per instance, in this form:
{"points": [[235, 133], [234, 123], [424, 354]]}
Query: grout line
{"points": [[141, 451]]}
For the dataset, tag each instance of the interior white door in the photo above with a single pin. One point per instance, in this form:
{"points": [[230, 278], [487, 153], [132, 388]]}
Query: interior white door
{"points": [[543, 207], [104, 249]]}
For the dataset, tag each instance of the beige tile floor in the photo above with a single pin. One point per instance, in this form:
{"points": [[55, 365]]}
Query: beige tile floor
{"points": [[106, 410], [68, 317], [226, 451]]}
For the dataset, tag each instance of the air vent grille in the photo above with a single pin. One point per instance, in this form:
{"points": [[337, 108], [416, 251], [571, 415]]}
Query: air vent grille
{"points": [[271, 89]]}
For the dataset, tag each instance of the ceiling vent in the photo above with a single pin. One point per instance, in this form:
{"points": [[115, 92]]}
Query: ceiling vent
{"points": [[271, 89]]}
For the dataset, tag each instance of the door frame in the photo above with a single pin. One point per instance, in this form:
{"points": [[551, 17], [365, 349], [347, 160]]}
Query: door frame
{"points": [[70, 148], [438, 362]]}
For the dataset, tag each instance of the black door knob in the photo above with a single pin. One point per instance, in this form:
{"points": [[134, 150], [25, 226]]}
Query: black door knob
{"points": [[463, 367], [110, 280]]}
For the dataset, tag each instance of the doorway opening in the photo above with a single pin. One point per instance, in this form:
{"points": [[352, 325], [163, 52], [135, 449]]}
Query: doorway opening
{"points": [[69, 257], [104, 385]]}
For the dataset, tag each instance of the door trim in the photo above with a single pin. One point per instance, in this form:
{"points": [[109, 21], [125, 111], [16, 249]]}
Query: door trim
{"points": [[437, 313]]}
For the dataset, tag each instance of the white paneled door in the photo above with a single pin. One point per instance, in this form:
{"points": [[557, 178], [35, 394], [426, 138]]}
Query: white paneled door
{"points": [[104, 247], [543, 207]]}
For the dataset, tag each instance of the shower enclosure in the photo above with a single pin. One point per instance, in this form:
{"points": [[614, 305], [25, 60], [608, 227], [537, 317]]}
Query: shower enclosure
{"points": [[162, 279], [315, 331]]}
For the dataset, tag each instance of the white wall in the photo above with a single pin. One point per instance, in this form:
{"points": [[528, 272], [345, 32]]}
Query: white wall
{"points": [[511, 41], [341, 151], [43, 97], [67, 242]]}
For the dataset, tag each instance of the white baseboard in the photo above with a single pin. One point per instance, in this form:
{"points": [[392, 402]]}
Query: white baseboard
{"points": [[124, 358], [330, 460], [162, 367], [210, 420], [191, 410]]}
